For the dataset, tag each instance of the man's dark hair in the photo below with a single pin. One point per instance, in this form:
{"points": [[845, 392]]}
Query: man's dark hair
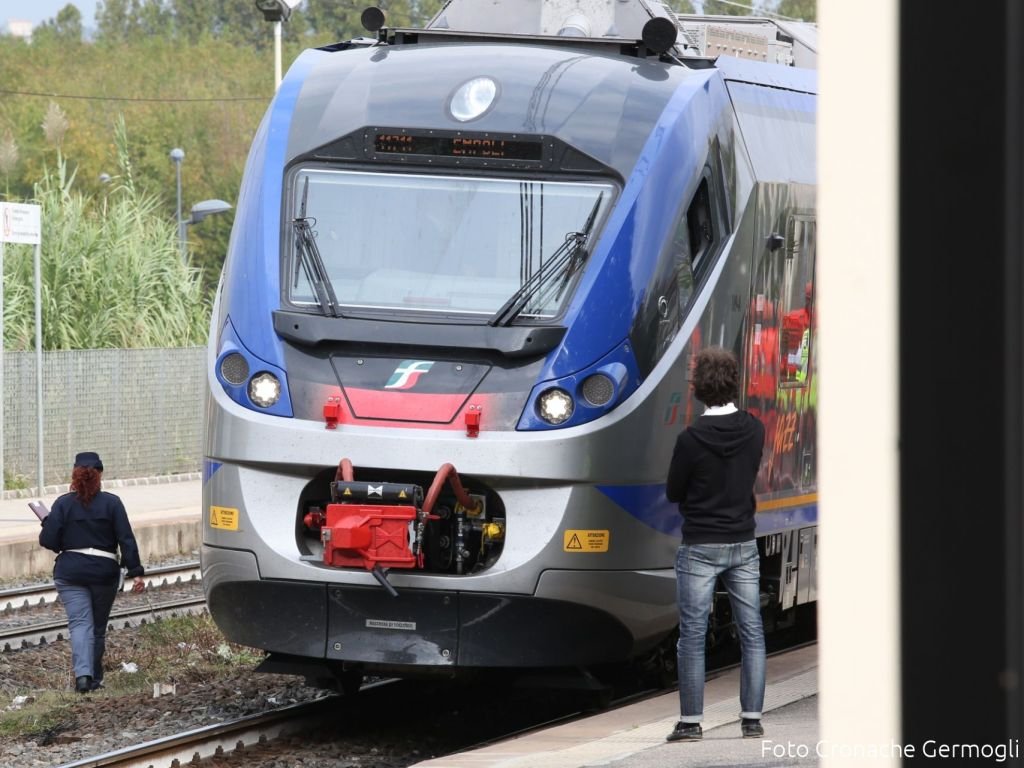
{"points": [[716, 376]]}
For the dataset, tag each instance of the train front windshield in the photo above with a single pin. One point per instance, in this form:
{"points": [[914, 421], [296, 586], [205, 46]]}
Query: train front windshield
{"points": [[440, 244]]}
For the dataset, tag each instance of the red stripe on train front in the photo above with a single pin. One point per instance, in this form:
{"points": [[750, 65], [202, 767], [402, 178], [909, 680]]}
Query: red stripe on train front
{"points": [[400, 405]]}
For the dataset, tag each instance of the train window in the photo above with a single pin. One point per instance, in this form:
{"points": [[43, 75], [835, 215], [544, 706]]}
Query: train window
{"points": [[394, 242], [797, 303], [696, 240], [699, 224], [661, 314]]}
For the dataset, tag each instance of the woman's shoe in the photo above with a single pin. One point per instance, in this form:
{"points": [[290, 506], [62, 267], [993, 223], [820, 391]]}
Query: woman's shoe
{"points": [[83, 684]]}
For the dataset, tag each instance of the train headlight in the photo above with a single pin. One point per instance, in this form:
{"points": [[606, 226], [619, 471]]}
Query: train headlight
{"points": [[264, 389], [555, 406], [598, 389], [472, 99]]}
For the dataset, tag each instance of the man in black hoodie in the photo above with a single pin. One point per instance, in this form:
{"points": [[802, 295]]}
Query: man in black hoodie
{"points": [[711, 476]]}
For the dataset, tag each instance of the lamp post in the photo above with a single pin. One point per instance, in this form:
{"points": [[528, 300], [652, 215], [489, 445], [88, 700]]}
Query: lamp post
{"points": [[207, 208], [276, 11], [105, 180], [177, 155]]}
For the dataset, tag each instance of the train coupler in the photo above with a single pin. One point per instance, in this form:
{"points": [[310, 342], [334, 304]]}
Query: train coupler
{"points": [[371, 524], [378, 526]]}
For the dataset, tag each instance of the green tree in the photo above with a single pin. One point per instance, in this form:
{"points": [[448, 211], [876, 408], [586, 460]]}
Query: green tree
{"points": [[117, 20], [66, 27], [193, 19], [726, 8], [681, 6], [154, 19], [8, 159], [339, 19], [723, 8], [806, 10]]}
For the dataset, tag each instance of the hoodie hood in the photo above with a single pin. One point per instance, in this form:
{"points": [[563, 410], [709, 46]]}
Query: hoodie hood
{"points": [[725, 435]]}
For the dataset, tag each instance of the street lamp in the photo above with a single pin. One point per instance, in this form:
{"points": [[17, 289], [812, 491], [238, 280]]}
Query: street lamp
{"points": [[277, 11], [105, 180], [177, 155], [207, 208]]}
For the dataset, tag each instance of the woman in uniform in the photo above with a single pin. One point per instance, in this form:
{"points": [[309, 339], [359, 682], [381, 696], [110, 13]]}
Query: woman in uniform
{"points": [[86, 527]]}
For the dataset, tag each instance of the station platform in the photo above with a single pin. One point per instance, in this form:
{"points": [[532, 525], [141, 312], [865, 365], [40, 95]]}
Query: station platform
{"points": [[164, 513], [633, 736]]}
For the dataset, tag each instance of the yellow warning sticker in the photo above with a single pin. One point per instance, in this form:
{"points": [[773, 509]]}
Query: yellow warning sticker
{"points": [[586, 541], [224, 518]]}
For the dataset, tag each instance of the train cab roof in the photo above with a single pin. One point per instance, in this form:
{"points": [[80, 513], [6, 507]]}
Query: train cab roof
{"points": [[597, 83]]}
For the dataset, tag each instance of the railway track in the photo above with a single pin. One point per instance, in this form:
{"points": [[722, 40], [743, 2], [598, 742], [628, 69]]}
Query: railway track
{"points": [[132, 610], [264, 739], [42, 594], [211, 741], [240, 738]]}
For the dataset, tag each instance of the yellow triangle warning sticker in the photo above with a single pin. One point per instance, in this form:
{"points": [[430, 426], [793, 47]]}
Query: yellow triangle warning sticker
{"points": [[224, 518], [347, 492], [585, 540], [401, 495]]}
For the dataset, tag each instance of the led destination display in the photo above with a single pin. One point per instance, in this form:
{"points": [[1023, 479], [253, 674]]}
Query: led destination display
{"points": [[457, 146]]}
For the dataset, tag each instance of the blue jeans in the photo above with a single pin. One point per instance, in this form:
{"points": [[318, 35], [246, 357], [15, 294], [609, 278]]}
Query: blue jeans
{"points": [[697, 566], [88, 609]]}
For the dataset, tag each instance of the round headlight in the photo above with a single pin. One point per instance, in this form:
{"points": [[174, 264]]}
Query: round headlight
{"points": [[598, 389], [234, 369], [264, 389], [555, 406], [473, 98]]}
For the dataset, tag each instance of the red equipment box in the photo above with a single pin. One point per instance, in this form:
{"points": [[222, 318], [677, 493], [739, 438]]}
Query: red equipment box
{"points": [[367, 535]]}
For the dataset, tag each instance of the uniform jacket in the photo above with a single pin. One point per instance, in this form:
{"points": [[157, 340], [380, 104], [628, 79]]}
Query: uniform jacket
{"points": [[103, 524]]}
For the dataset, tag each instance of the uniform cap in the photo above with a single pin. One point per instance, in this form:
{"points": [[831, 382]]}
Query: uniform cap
{"points": [[89, 459]]}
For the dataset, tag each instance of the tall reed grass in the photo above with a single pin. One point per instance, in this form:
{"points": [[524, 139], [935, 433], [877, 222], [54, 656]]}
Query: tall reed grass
{"points": [[112, 272]]}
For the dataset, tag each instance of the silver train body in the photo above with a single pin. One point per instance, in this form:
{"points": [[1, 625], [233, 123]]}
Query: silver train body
{"points": [[680, 192]]}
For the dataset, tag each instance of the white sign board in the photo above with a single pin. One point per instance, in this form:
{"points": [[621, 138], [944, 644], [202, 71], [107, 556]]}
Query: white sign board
{"points": [[20, 223]]}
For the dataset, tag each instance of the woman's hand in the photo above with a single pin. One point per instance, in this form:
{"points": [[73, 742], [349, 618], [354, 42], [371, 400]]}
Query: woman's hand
{"points": [[139, 584]]}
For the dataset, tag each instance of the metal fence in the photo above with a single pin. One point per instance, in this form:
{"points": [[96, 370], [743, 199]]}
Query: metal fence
{"points": [[140, 409]]}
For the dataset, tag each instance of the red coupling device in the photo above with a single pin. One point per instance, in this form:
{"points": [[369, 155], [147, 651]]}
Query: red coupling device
{"points": [[368, 535], [371, 524], [332, 412], [473, 415]]}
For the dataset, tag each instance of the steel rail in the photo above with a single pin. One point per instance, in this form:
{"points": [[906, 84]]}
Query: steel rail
{"points": [[23, 637], [42, 594], [215, 740]]}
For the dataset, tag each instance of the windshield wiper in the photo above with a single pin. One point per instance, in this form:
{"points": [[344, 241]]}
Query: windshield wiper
{"points": [[312, 262], [554, 273]]}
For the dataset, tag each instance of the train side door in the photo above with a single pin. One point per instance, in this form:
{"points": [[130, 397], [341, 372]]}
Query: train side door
{"points": [[781, 390], [780, 384]]}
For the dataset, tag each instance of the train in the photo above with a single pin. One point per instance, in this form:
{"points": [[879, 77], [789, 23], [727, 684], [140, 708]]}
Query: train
{"points": [[450, 349]]}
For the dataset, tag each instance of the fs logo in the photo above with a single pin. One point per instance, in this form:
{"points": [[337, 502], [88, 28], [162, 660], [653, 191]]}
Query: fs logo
{"points": [[672, 411], [408, 373]]}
